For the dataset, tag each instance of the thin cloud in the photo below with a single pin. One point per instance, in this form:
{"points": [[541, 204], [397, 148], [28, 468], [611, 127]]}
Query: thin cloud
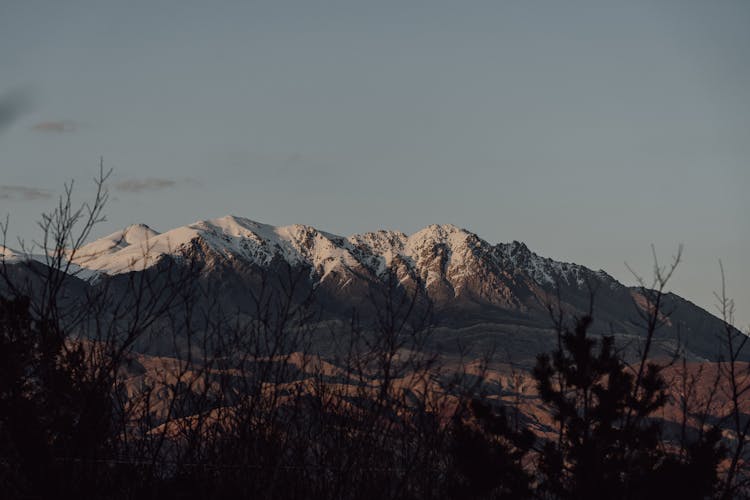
{"points": [[57, 127], [141, 185], [13, 104], [23, 193]]}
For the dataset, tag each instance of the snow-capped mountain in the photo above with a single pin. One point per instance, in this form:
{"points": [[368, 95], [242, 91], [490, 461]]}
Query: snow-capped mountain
{"points": [[455, 267], [470, 282], [438, 256]]}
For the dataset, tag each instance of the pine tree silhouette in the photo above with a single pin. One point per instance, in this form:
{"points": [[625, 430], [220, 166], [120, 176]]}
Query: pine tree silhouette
{"points": [[609, 443]]}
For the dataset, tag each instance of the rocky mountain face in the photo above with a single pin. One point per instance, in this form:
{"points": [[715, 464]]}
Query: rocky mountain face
{"points": [[451, 264], [483, 292]]}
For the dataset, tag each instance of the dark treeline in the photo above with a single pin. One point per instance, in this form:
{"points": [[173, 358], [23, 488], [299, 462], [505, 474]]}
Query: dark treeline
{"points": [[249, 407]]}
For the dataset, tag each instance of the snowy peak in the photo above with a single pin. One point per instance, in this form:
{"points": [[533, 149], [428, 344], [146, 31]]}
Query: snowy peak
{"points": [[441, 256], [439, 232], [237, 237], [138, 233], [133, 249], [454, 239], [517, 257]]}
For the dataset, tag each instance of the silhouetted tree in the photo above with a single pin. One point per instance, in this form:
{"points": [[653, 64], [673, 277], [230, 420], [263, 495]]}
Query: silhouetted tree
{"points": [[610, 445]]}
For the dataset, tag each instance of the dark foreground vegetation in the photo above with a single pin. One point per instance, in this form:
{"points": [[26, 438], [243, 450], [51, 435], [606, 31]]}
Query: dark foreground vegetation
{"points": [[247, 408]]}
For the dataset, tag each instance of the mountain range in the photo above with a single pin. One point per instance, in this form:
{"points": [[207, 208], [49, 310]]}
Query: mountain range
{"points": [[482, 295]]}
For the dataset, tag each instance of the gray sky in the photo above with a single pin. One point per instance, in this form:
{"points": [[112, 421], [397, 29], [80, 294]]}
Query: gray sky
{"points": [[589, 130]]}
